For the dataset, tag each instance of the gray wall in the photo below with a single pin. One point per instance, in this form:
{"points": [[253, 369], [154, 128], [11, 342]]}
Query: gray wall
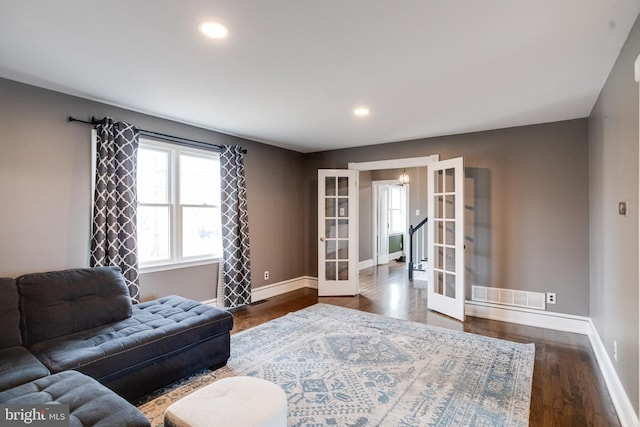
{"points": [[613, 173], [45, 186], [527, 205]]}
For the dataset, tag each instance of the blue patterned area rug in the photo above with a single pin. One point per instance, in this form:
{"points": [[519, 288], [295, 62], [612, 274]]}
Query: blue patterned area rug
{"points": [[343, 367]]}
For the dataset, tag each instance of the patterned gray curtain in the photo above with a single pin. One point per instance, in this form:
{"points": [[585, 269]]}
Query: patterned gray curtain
{"points": [[114, 232], [235, 289]]}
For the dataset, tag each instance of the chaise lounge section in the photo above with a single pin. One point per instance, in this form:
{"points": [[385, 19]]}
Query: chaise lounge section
{"points": [[83, 320]]}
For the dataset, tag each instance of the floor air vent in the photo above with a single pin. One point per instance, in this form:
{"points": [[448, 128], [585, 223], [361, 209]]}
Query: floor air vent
{"points": [[509, 297]]}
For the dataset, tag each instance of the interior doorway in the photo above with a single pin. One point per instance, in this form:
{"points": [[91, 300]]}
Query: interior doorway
{"points": [[390, 213], [388, 170]]}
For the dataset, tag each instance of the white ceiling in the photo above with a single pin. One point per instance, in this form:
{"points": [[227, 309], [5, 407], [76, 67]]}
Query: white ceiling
{"points": [[291, 71]]}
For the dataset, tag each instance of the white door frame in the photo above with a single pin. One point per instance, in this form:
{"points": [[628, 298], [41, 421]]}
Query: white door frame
{"points": [[374, 215], [381, 237], [407, 162]]}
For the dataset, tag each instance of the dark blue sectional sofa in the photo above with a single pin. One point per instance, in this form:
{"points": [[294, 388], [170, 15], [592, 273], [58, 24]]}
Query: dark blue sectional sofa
{"points": [[71, 327]]}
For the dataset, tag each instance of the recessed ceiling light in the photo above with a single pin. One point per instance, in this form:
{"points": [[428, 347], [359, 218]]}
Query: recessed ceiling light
{"points": [[213, 30], [361, 111]]}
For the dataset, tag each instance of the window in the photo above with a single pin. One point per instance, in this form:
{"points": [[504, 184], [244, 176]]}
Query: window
{"points": [[396, 209], [178, 204]]}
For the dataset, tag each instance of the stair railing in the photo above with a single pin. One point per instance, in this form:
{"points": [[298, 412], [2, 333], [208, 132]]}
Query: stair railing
{"points": [[412, 230]]}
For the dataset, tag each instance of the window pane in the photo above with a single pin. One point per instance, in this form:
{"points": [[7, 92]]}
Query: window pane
{"points": [[201, 231], [199, 180], [396, 198], [153, 233], [153, 176], [396, 220]]}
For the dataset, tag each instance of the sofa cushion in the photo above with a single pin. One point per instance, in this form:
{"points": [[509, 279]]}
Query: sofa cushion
{"points": [[58, 303], [156, 330], [9, 314], [19, 366], [90, 403]]}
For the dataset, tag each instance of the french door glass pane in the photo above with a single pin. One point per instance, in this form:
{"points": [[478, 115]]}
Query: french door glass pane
{"points": [[450, 207], [330, 230], [343, 207], [343, 186], [450, 260], [450, 285], [201, 231], [438, 262], [450, 233], [153, 233], [439, 207], [438, 238], [343, 228], [330, 186], [450, 180], [330, 207], [199, 180], [438, 287], [438, 176], [153, 176], [330, 249], [343, 249], [330, 270], [343, 270]]}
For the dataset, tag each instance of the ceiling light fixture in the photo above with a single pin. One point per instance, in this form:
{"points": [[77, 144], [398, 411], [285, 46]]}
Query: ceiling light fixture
{"points": [[361, 111], [213, 30], [404, 178]]}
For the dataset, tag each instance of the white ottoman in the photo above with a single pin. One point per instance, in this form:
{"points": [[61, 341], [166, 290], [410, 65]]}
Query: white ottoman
{"points": [[233, 401]]}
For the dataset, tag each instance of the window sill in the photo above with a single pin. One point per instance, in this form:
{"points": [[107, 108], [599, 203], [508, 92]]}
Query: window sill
{"points": [[178, 265]]}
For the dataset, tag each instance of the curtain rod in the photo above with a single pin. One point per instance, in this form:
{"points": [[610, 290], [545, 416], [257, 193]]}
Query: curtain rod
{"points": [[163, 136]]}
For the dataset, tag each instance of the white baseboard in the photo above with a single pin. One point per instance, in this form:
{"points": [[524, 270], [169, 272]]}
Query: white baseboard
{"points": [[274, 289], [525, 316], [369, 262], [620, 399], [364, 264]]}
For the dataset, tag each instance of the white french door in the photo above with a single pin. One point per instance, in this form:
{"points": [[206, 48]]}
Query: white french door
{"points": [[446, 284], [337, 232]]}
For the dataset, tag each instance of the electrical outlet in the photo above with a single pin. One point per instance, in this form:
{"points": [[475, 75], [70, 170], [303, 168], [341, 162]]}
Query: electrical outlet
{"points": [[615, 350], [551, 297], [266, 275]]}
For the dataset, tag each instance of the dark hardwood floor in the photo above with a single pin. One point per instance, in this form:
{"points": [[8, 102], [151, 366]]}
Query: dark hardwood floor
{"points": [[567, 390]]}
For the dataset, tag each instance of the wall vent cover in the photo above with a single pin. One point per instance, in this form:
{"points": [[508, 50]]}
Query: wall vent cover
{"points": [[509, 297]]}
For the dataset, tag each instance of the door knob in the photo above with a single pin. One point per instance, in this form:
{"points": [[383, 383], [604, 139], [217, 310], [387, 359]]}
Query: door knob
{"points": [[322, 239]]}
